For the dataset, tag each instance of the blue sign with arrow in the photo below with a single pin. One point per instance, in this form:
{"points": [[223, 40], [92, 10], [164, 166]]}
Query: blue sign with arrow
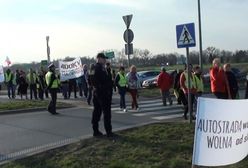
{"points": [[185, 35]]}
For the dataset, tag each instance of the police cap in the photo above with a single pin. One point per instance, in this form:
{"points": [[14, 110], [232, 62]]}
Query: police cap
{"points": [[51, 65], [101, 55]]}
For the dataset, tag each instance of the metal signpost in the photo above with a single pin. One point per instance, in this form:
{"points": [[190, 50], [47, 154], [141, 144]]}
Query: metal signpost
{"points": [[200, 35], [44, 63], [186, 39], [128, 37]]}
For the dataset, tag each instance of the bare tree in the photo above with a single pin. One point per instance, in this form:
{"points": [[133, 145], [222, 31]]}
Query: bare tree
{"points": [[210, 52]]}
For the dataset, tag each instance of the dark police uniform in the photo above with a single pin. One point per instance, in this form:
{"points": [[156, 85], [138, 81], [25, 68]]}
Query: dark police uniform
{"points": [[101, 100]]}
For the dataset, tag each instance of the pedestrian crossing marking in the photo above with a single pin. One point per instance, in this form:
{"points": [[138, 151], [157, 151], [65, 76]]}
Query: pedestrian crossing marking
{"points": [[150, 108]]}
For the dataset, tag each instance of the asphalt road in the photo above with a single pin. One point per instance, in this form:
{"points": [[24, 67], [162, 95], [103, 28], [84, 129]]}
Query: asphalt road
{"points": [[29, 133]]}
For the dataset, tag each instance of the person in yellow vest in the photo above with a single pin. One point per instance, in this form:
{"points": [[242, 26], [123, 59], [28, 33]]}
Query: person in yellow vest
{"points": [[52, 82], [198, 83], [188, 89], [121, 83], [8, 79], [32, 81]]}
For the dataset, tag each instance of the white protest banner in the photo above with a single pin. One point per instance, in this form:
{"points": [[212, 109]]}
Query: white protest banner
{"points": [[70, 69], [221, 132], [1, 74]]}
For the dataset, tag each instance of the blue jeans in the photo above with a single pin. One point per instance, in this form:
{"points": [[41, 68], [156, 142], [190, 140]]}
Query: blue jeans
{"points": [[11, 89], [122, 92]]}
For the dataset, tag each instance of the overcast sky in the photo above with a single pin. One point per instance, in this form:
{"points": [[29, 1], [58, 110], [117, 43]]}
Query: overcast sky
{"points": [[84, 27]]}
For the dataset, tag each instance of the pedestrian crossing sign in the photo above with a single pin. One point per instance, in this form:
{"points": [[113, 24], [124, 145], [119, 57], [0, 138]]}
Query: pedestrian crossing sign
{"points": [[185, 35]]}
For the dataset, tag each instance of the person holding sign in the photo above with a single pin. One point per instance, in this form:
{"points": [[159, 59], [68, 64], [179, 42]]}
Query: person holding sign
{"points": [[218, 80]]}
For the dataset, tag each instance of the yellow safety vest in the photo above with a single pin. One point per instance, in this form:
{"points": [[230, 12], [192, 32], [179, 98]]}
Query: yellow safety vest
{"points": [[55, 83], [123, 81], [8, 77], [192, 82], [199, 84], [29, 78]]}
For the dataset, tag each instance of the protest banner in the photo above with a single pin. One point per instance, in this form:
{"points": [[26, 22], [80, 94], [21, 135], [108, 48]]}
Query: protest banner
{"points": [[221, 132], [70, 69], [1, 74]]}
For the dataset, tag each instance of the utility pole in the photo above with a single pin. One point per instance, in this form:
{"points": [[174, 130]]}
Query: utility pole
{"points": [[200, 35]]}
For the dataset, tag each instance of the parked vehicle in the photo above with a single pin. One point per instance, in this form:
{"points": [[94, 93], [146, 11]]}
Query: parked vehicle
{"points": [[240, 75], [144, 75], [150, 83]]}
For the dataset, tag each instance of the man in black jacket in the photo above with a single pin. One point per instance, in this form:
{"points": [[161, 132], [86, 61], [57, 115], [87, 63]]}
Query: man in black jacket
{"points": [[101, 97]]}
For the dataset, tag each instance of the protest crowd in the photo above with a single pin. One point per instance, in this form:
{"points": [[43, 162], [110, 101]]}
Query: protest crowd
{"points": [[223, 84]]}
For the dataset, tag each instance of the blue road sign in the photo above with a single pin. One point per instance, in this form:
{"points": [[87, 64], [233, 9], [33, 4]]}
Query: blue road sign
{"points": [[185, 35]]}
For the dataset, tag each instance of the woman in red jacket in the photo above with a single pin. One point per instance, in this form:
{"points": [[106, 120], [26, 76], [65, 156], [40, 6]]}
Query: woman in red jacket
{"points": [[218, 80]]}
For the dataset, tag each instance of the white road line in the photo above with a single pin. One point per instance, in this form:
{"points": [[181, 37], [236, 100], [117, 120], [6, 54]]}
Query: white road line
{"points": [[159, 112], [167, 117]]}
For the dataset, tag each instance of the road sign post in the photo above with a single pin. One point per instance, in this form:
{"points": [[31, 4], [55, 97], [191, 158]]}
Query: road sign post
{"points": [[110, 54], [128, 37], [44, 63], [185, 39]]}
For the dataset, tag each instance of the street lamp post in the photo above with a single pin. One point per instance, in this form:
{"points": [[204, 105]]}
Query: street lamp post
{"points": [[200, 35], [48, 49]]}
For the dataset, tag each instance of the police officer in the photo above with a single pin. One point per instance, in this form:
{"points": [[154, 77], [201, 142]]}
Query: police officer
{"points": [[52, 82], [101, 97]]}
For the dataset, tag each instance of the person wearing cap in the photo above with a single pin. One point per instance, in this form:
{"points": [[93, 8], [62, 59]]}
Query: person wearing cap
{"points": [[101, 97], [164, 82], [52, 82]]}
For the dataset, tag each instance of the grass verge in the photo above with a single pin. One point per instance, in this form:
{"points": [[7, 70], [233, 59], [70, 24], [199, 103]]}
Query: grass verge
{"points": [[25, 104], [167, 145]]}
